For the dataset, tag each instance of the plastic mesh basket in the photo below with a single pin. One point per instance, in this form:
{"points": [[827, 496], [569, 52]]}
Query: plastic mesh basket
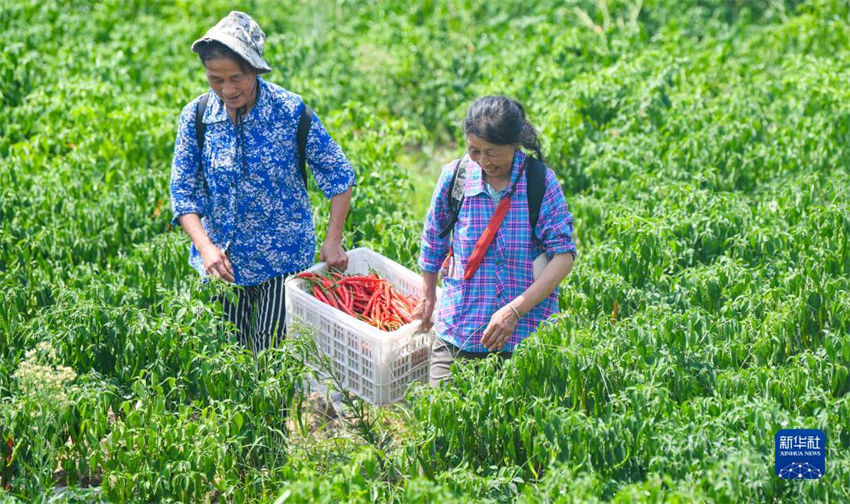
{"points": [[373, 364]]}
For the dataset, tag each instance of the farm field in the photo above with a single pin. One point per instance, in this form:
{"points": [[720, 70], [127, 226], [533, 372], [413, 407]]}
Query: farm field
{"points": [[704, 150]]}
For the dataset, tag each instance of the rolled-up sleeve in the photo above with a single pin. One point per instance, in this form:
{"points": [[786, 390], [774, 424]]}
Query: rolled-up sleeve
{"points": [[434, 248], [331, 169], [555, 224], [188, 191]]}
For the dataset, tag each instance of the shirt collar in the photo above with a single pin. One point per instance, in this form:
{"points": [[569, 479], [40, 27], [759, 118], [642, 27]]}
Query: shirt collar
{"points": [[475, 182], [217, 113]]}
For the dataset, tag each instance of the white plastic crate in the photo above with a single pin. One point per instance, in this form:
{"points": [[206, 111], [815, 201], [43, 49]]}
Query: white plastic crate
{"points": [[373, 364]]}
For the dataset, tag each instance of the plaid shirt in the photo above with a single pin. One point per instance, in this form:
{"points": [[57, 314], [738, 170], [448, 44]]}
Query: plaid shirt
{"points": [[506, 271]]}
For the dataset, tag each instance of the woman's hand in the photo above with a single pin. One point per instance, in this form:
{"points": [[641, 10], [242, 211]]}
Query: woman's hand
{"points": [[334, 255], [424, 310], [500, 328], [216, 263]]}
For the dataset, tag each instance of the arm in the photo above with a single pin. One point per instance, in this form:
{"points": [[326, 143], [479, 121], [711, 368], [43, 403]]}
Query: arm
{"points": [[425, 309], [555, 231], [189, 196], [434, 248], [215, 260], [505, 320], [555, 272], [335, 177], [332, 251]]}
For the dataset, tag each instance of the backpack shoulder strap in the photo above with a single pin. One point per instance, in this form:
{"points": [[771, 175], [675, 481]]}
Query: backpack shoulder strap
{"points": [[456, 194], [301, 137], [535, 177], [200, 126]]}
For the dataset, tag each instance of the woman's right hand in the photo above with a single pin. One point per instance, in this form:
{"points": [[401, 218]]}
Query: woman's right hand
{"points": [[216, 263], [424, 310]]}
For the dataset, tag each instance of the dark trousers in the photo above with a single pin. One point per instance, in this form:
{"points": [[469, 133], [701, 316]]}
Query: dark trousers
{"points": [[258, 314], [442, 356]]}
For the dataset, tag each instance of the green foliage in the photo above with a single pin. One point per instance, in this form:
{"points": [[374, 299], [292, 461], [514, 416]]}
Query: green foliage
{"points": [[702, 146]]}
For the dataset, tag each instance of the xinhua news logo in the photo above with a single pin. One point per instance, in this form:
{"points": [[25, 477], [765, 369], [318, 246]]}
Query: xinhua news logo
{"points": [[800, 453]]}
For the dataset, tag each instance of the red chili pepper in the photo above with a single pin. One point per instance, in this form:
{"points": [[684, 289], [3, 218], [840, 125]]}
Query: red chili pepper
{"points": [[401, 311], [359, 280], [376, 314], [360, 295], [329, 293], [350, 298], [404, 301], [339, 298], [343, 307], [365, 288], [329, 297], [317, 293], [371, 304], [346, 299]]}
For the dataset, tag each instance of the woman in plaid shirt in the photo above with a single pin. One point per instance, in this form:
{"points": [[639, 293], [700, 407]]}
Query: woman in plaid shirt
{"points": [[503, 302]]}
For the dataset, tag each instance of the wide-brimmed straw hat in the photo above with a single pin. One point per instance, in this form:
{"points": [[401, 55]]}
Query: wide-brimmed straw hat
{"points": [[241, 34]]}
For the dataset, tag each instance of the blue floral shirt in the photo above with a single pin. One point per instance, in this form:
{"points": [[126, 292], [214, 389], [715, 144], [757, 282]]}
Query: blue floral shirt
{"points": [[246, 185]]}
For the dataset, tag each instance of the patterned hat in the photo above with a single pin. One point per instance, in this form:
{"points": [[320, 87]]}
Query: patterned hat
{"points": [[241, 34]]}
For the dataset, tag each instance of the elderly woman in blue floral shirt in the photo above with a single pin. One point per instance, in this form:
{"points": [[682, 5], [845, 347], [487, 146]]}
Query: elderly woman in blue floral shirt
{"points": [[238, 192]]}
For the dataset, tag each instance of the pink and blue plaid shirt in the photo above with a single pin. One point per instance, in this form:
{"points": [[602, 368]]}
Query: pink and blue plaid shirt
{"points": [[506, 271]]}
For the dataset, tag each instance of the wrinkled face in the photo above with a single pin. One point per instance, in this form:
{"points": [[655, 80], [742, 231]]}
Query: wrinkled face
{"points": [[235, 87], [495, 160]]}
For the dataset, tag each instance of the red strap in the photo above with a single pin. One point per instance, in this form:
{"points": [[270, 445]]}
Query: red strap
{"points": [[486, 238]]}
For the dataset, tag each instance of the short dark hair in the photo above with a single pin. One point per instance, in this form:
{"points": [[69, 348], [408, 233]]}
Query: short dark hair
{"points": [[215, 49], [501, 120]]}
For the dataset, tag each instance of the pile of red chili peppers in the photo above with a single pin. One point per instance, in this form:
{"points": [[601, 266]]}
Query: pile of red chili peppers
{"points": [[369, 298]]}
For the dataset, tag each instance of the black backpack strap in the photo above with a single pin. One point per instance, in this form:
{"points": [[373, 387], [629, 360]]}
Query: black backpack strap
{"points": [[456, 194], [301, 137], [200, 126], [535, 178], [200, 135]]}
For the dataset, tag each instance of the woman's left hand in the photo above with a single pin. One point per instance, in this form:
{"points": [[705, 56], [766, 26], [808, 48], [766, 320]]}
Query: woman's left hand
{"points": [[334, 255], [500, 329]]}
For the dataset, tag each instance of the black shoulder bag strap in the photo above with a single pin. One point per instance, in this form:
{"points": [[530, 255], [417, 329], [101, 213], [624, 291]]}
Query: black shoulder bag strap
{"points": [[200, 126], [200, 134], [456, 194], [301, 137], [535, 182]]}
